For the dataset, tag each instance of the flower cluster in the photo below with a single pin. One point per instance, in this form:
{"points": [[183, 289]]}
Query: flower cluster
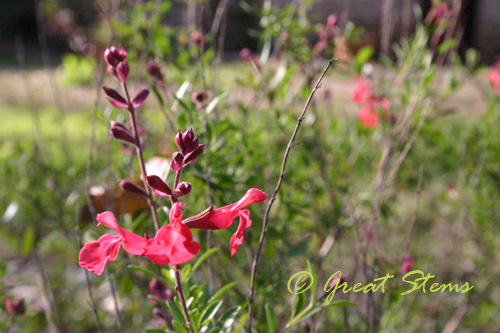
{"points": [[173, 243], [326, 33], [371, 105]]}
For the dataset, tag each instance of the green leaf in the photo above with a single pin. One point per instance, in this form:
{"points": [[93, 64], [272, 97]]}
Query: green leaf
{"points": [[298, 302], [175, 311], [214, 102], [363, 56], [222, 291], [28, 240], [227, 320], [179, 327], [271, 319], [209, 313], [314, 280], [149, 273], [204, 257], [340, 303]]}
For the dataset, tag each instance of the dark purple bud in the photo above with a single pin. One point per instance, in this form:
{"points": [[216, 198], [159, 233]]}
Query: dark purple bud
{"points": [[182, 189], [114, 56], [188, 136], [120, 132], [160, 188], [178, 141], [177, 160], [122, 71], [199, 96], [131, 187], [154, 70], [197, 37], [191, 146], [192, 156], [15, 307], [140, 97], [111, 55], [115, 98], [112, 70]]}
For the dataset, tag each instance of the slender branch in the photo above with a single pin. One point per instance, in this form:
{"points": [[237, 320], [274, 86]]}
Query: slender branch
{"points": [[119, 320], [93, 303], [142, 165], [182, 298], [415, 214], [273, 196]]}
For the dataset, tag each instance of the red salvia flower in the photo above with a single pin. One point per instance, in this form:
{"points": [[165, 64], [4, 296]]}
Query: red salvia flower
{"points": [[94, 255], [173, 244], [223, 217]]}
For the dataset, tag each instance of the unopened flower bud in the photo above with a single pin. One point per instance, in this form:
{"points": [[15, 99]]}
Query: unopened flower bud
{"points": [[407, 264], [199, 97], [131, 187], [177, 161], [182, 189], [160, 188], [15, 307], [120, 132], [154, 70], [114, 56], [122, 71], [192, 156]]}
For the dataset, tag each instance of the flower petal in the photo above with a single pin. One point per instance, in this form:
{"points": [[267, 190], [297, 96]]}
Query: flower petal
{"points": [[132, 243], [237, 238], [94, 255], [172, 245]]}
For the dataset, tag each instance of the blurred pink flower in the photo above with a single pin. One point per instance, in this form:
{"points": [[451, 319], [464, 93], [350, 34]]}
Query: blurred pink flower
{"points": [[494, 79], [368, 117], [362, 92], [407, 264]]}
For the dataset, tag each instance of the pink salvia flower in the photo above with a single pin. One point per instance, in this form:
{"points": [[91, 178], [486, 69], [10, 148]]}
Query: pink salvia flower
{"points": [[223, 217], [173, 244], [94, 255]]}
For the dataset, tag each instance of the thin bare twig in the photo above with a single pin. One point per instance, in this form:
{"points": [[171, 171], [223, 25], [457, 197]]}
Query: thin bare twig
{"points": [[415, 214], [119, 320], [93, 303], [273, 196]]}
